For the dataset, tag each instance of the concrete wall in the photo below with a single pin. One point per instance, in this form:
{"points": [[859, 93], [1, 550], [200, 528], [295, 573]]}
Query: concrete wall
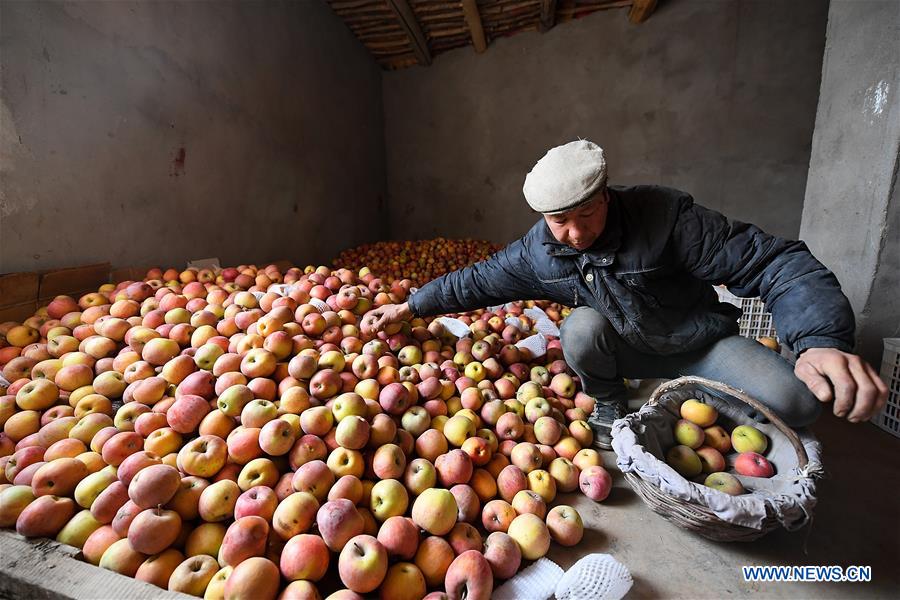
{"points": [[157, 132], [716, 97], [851, 218]]}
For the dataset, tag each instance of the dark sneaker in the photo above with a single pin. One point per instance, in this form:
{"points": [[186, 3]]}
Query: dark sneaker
{"points": [[601, 420]]}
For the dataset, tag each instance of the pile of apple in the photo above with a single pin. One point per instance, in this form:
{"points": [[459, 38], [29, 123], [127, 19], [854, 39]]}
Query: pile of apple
{"points": [[703, 446], [420, 260], [198, 432]]}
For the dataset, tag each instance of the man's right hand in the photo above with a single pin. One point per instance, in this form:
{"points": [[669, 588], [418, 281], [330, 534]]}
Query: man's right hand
{"points": [[377, 319]]}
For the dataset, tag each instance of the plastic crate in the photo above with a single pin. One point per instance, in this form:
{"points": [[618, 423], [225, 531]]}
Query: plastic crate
{"points": [[755, 322], [889, 417]]}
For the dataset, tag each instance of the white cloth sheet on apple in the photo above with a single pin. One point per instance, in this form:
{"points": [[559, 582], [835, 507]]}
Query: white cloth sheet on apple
{"points": [[542, 324], [454, 326], [319, 304], [641, 439], [282, 289], [536, 344], [595, 576]]}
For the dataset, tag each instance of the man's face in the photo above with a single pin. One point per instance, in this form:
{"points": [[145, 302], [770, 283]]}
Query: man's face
{"points": [[581, 226]]}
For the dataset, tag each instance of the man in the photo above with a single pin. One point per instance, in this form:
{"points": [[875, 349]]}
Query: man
{"points": [[638, 264]]}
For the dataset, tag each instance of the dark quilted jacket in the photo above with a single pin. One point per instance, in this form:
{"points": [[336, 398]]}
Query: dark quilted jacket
{"points": [[651, 274]]}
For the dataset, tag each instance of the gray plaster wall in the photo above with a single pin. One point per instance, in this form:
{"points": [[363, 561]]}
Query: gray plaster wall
{"points": [[851, 217], [157, 132], [715, 97]]}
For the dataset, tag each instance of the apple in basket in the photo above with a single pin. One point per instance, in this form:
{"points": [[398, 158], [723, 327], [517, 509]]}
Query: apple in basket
{"points": [[725, 483], [688, 434], [685, 461], [699, 413], [717, 438], [711, 459], [746, 438], [753, 465]]}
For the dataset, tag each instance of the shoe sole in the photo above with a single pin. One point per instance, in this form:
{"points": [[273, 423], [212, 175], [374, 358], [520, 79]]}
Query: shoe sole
{"points": [[602, 445]]}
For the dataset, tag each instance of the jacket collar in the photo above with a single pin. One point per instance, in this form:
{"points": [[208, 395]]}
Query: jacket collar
{"points": [[603, 251]]}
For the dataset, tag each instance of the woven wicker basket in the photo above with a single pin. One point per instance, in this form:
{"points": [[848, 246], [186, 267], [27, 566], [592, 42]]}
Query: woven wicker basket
{"points": [[698, 518]]}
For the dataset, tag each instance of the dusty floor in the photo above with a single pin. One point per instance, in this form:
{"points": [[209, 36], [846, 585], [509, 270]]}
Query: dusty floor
{"points": [[857, 522]]}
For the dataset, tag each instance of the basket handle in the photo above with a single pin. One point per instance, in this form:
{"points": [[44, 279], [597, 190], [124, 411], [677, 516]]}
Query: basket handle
{"points": [[667, 386]]}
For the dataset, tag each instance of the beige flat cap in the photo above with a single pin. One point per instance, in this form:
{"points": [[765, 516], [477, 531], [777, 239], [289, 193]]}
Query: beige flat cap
{"points": [[565, 177]]}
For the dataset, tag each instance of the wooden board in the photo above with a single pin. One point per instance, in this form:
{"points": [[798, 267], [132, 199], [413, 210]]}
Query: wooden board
{"points": [[73, 281], [18, 312], [16, 288], [128, 274], [283, 265], [44, 569]]}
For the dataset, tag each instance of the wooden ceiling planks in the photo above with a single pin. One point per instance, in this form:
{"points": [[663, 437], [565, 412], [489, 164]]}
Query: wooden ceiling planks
{"points": [[403, 33]]}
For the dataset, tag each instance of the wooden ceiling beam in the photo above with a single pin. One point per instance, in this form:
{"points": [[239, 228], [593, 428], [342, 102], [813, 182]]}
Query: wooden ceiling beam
{"points": [[565, 10], [473, 20], [641, 10], [439, 33], [548, 15], [410, 25]]}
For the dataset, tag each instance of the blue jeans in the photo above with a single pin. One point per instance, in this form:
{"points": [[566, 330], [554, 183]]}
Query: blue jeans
{"points": [[601, 358]]}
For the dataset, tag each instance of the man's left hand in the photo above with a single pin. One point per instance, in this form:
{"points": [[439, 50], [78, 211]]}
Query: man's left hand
{"points": [[850, 382]]}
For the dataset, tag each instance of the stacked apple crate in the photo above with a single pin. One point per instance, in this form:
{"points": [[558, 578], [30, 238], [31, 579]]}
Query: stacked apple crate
{"points": [[889, 418], [755, 321]]}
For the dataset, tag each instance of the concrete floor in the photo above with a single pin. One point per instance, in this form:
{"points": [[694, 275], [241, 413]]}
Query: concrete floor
{"points": [[857, 522]]}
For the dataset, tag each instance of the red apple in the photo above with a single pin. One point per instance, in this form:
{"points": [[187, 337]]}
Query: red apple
{"points": [[363, 564], [306, 557], [503, 555], [595, 483], [753, 464], [469, 577]]}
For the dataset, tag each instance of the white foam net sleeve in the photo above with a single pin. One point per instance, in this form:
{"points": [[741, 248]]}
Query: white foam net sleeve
{"points": [[596, 576], [454, 326], [258, 295], [535, 582]]}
